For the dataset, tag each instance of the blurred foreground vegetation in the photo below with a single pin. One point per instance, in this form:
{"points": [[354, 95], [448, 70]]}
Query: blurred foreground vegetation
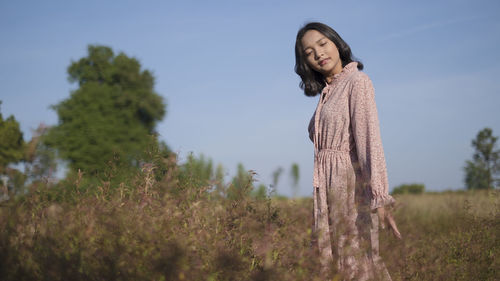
{"points": [[166, 222]]}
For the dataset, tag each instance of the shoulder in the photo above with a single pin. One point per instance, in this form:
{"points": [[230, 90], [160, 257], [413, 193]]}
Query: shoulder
{"points": [[361, 85], [359, 78]]}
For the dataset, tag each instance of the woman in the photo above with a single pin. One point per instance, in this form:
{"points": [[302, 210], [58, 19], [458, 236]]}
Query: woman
{"points": [[350, 178]]}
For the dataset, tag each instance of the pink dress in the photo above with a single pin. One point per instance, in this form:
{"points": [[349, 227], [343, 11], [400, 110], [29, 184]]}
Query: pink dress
{"points": [[350, 177]]}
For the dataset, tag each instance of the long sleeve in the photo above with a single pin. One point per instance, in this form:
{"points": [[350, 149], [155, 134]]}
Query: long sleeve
{"points": [[366, 133]]}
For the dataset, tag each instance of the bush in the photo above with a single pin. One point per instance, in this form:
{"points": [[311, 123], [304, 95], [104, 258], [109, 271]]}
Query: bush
{"points": [[414, 188]]}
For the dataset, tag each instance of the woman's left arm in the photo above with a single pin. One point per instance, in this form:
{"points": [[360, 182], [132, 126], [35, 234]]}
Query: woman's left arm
{"points": [[366, 132]]}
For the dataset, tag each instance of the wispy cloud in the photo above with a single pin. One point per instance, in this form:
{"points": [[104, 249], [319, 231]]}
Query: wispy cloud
{"points": [[426, 27]]}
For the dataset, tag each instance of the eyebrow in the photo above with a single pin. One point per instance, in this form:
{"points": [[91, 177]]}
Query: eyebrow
{"points": [[324, 37]]}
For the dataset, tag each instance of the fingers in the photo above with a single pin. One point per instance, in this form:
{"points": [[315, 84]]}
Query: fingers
{"points": [[384, 216], [392, 225]]}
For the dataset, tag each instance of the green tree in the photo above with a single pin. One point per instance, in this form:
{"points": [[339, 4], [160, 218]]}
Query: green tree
{"points": [[197, 172], [111, 115], [220, 186], [482, 171], [295, 174], [11, 151], [11, 142], [276, 177], [260, 192], [242, 184], [39, 160]]}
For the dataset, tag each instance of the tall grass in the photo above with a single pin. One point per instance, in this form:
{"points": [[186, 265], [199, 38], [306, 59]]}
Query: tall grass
{"points": [[154, 226], [447, 236]]}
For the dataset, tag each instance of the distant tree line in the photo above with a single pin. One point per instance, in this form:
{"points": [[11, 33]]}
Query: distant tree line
{"points": [[414, 188]]}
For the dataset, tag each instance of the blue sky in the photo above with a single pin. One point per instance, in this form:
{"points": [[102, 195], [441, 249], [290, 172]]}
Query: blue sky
{"points": [[225, 69]]}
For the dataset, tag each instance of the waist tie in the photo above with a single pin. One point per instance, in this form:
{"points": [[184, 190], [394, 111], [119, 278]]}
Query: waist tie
{"points": [[323, 152], [332, 151]]}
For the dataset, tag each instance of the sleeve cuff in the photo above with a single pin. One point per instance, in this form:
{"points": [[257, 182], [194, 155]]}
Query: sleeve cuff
{"points": [[382, 201]]}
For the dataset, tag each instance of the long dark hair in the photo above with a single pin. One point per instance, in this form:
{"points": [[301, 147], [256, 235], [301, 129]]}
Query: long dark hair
{"points": [[312, 81]]}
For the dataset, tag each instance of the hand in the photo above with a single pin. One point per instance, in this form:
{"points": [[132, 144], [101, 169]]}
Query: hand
{"points": [[384, 216]]}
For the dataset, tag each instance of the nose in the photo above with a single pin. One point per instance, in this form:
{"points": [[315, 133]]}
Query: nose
{"points": [[317, 54]]}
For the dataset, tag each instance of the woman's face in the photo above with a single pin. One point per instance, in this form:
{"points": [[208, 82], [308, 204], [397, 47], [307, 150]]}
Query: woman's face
{"points": [[321, 54]]}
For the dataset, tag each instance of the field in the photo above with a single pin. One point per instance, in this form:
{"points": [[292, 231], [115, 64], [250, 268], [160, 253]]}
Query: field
{"points": [[161, 228]]}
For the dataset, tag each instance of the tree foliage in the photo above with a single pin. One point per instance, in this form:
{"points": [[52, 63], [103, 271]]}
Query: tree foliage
{"points": [[111, 115], [413, 188], [220, 186], [482, 171], [197, 171], [295, 175], [242, 184], [276, 176], [11, 142], [39, 160]]}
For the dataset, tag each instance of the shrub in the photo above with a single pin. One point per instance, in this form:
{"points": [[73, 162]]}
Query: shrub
{"points": [[414, 188]]}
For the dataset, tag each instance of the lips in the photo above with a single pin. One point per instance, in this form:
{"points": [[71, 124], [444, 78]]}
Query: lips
{"points": [[323, 62]]}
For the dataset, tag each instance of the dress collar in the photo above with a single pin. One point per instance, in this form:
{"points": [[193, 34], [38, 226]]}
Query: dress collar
{"points": [[350, 67]]}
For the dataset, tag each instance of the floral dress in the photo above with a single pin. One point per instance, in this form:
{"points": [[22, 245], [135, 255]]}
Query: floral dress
{"points": [[350, 177]]}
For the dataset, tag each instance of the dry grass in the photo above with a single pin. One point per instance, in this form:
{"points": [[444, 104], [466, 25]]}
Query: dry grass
{"points": [[447, 236], [156, 228]]}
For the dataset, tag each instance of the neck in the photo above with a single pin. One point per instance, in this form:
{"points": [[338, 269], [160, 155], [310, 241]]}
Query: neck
{"points": [[338, 68]]}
